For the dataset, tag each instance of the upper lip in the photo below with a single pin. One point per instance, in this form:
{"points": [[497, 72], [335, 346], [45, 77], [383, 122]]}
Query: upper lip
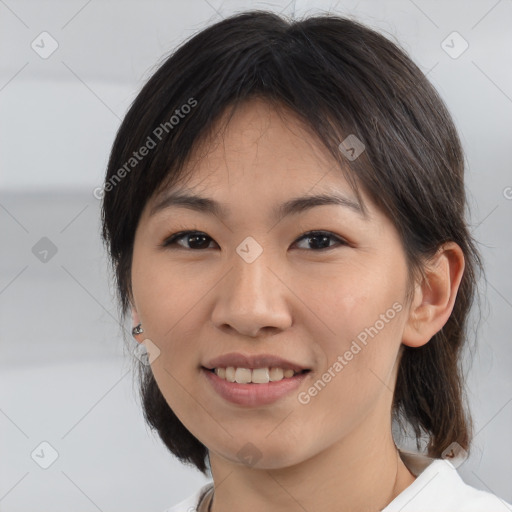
{"points": [[239, 360]]}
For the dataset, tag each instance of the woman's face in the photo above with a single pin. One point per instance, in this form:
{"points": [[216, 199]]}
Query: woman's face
{"points": [[250, 283]]}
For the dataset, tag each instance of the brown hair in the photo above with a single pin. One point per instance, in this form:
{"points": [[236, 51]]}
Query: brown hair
{"points": [[340, 78]]}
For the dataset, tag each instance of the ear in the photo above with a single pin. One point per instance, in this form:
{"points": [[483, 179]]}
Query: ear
{"points": [[135, 321], [435, 296]]}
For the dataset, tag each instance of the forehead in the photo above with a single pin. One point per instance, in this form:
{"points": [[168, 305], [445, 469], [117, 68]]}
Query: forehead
{"points": [[271, 142], [261, 153]]}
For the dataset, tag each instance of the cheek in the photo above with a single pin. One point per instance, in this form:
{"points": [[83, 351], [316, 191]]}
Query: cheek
{"points": [[353, 297], [168, 302], [166, 296], [362, 309]]}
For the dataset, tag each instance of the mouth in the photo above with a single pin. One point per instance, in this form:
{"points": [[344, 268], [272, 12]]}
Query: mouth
{"points": [[254, 387], [253, 380]]}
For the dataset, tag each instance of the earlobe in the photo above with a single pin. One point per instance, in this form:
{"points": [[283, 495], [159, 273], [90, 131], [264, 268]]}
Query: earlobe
{"points": [[136, 324], [434, 297]]}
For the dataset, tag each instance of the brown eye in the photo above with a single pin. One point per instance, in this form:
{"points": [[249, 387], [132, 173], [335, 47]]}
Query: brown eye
{"points": [[195, 240], [319, 240]]}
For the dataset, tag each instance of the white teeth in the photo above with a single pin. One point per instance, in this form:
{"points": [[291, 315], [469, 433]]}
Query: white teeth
{"points": [[276, 374], [288, 374], [260, 376], [221, 372], [243, 375], [256, 376], [230, 374]]}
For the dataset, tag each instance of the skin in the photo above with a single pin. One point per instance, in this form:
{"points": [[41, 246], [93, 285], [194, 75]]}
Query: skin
{"points": [[297, 301]]}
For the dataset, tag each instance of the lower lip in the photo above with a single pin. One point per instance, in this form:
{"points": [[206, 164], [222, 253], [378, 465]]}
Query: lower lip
{"points": [[253, 395]]}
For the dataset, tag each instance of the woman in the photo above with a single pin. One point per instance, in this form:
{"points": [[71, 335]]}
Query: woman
{"points": [[284, 211]]}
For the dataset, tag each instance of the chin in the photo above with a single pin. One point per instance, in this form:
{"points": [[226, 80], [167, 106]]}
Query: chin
{"points": [[264, 455]]}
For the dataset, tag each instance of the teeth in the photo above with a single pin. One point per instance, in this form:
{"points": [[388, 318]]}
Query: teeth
{"points": [[230, 374], [260, 376], [276, 374], [243, 375], [256, 376]]}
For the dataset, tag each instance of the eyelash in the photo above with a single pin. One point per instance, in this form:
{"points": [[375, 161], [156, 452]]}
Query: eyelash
{"points": [[171, 240]]}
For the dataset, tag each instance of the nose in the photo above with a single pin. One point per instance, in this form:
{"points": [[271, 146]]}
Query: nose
{"points": [[252, 299]]}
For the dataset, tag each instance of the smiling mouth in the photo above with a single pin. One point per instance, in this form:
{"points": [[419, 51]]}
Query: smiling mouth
{"points": [[241, 375]]}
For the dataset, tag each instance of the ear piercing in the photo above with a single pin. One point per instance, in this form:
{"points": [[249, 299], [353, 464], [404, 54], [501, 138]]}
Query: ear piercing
{"points": [[137, 330]]}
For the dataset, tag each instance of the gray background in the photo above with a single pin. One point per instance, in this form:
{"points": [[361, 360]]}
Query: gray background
{"points": [[65, 377]]}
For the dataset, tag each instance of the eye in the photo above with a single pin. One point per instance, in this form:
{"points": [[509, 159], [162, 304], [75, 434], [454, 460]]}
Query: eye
{"points": [[194, 239], [320, 239], [197, 240]]}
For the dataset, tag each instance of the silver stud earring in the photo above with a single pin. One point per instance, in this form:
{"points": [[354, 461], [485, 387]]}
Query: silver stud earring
{"points": [[137, 330]]}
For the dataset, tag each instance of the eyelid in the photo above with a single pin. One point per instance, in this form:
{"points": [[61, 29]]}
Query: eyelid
{"points": [[311, 233], [318, 232], [180, 234]]}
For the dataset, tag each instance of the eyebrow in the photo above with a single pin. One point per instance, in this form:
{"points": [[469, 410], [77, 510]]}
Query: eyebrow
{"points": [[292, 206]]}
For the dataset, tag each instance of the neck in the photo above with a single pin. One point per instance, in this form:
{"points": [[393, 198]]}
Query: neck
{"points": [[356, 475]]}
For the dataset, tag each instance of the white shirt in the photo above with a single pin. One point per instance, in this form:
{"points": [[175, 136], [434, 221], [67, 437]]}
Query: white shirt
{"points": [[437, 488]]}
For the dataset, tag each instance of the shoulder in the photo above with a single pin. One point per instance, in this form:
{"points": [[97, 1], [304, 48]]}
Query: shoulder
{"points": [[191, 503], [439, 487]]}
